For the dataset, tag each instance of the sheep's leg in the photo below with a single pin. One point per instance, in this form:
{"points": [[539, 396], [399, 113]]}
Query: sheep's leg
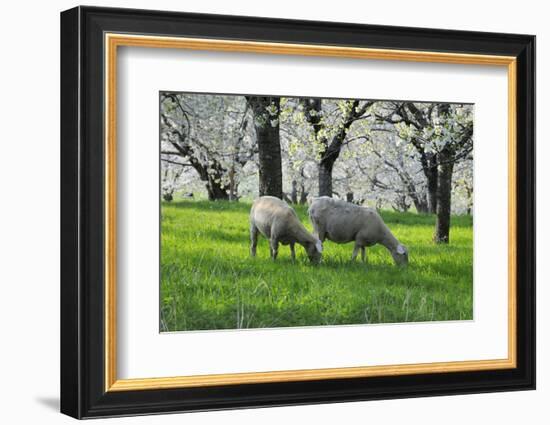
{"points": [[274, 244], [355, 252], [292, 252], [321, 235], [363, 254], [253, 239]]}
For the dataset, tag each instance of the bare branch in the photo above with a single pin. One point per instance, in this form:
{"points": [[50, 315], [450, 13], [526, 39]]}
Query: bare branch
{"points": [[186, 164]]}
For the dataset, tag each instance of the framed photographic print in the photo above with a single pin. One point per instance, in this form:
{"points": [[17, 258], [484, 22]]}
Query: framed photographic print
{"points": [[261, 212]]}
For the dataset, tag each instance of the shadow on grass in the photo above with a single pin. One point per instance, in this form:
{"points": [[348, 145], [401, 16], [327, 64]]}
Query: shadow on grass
{"points": [[210, 206], [219, 235], [390, 217]]}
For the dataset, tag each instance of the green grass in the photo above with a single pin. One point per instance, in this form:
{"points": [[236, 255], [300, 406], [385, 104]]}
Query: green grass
{"points": [[208, 280]]}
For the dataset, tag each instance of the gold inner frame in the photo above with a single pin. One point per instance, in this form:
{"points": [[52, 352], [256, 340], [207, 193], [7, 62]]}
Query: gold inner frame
{"points": [[113, 41]]}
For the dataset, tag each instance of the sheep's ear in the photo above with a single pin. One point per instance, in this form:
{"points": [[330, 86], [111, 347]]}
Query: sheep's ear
{"points": [[401, 249], [319, 246]]}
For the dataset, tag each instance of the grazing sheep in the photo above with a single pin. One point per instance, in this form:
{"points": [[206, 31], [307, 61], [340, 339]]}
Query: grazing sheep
{"points": [[279, 223], [343, 222]]}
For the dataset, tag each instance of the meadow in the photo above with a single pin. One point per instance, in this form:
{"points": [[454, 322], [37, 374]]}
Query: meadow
{"points": [[209, 281]]}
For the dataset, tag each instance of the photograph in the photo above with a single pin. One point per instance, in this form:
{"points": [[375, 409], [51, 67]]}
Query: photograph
{"points": [[287, 211]]}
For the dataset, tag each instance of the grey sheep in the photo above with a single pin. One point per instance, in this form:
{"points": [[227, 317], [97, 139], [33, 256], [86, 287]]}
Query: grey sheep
{"points": [[343, 222], [278, 222]]}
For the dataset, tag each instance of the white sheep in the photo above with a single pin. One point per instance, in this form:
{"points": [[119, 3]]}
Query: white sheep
{"points": [[279, 223], [343, 222]]}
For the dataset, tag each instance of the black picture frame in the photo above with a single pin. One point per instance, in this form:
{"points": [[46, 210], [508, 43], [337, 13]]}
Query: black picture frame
{"points": [[83, 392]]}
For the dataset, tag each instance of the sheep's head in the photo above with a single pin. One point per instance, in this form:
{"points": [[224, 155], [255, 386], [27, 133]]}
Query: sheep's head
{"points": [[314, 251], [401, 255]]}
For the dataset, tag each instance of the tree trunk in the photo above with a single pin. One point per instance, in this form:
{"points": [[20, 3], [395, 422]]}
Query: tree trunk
{"points": [[443, 218], [429, 168], [303, 194], [420, 204], [430, 171], [419, 199], [213, 177], [211, 174], [331, 149], [232, 185], [469, 192], [325, 178], [401, 204], [294, 193], [432, 192], [216, 191], [269, 148], [266, 124]]}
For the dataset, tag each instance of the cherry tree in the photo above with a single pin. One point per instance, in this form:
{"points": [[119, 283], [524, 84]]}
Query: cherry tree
{"points": [[384, 169], [388, 154], [442, 135], [463, 187], [210, 134], [331, 121], [299, 154], [265, 116]]}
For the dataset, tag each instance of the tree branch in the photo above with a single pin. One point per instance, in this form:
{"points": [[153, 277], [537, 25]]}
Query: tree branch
{"points": [[177, 163]]}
